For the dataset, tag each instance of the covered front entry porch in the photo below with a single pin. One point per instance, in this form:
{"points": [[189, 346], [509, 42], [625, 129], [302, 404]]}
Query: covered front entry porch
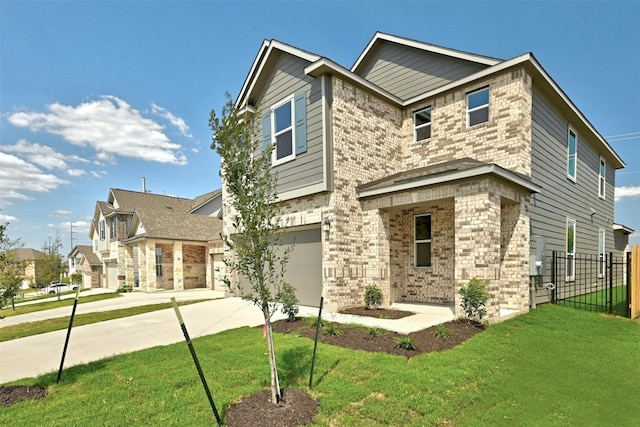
{"points": [[433, 232]]}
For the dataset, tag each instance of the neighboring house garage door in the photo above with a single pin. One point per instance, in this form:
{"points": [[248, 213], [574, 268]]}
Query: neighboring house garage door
{"points": [[112, 275], [304, 270]]}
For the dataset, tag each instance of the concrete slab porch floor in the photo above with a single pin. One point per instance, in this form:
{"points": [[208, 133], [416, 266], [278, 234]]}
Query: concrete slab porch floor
{"points": [[425, 316]]}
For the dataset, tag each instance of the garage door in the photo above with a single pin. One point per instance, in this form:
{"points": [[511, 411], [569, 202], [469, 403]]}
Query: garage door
{"points": [[304, 270]]}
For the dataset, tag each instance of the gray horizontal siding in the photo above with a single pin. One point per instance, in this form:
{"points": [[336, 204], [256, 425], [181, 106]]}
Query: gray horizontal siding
{"points": [[286, 78], [560, 197], [210, 207], [407, 72]]}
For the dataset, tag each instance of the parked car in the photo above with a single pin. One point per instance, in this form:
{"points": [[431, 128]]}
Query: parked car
{"points": [[58, 287]]}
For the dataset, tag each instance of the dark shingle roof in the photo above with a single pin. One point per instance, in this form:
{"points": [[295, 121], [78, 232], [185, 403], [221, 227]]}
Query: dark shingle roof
{"points": [[178, 226]]}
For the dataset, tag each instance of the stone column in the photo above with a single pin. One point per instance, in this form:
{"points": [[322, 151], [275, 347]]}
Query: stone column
{"points": [[477, 240], [178, 267], [376, 251]]}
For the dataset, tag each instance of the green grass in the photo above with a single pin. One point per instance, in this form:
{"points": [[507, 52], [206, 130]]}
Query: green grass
{"points": [[33, 328], [599, 301], [552, 367], [47, 305]]}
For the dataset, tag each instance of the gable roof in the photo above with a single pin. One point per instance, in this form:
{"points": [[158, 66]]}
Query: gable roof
{"points": [[267, 53], [380, 38], [28, 254], [320, 65], [87, 253], [172, 225]]}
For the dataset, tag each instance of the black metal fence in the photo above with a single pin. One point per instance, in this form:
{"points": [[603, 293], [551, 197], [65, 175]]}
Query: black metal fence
{"points": [[592, 282]]}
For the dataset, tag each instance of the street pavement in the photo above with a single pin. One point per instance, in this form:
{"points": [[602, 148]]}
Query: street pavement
{"points": [[40, 354]]}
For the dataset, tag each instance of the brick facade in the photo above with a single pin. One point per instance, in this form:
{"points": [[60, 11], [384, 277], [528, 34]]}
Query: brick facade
{"points": [[479, 227]]}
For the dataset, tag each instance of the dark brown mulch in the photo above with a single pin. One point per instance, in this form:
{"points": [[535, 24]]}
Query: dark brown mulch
{"points": [[11, 394], [380, 313], [297, 408], [382, 341]]}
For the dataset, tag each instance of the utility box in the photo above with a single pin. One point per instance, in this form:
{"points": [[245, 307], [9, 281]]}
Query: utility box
{"points": [[536, 262]]}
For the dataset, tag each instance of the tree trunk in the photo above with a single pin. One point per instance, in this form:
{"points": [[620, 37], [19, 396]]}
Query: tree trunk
{"points": [[275, 382]]}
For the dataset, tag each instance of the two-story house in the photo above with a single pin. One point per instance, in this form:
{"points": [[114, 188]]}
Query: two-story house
{"points": [[421, 167], [151, 241]]}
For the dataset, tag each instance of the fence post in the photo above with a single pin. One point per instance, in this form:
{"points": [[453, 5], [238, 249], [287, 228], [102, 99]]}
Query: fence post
{"points": [[628, 279], [554, 262], [635, 281], [610, 282]]}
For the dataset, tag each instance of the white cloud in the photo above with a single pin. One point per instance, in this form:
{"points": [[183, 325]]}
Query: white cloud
{"points": [[174, 120], [622, 192], [109, 125], [18, 176], [76, 172], [62, 213], [98, 174], [7, 218], [41, 155]]}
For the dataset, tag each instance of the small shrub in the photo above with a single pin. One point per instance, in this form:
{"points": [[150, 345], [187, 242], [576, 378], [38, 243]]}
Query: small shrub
{"points": [[474, 298], [442, 332], [289, 302], [311, 322], [373, 331], [373, 297], [124, 288], [405, 343], [331, 331]]}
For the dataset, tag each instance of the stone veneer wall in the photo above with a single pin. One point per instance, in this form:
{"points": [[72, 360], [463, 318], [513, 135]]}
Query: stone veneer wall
{"points": [[367, 145], [505, 139], [434, 284]]}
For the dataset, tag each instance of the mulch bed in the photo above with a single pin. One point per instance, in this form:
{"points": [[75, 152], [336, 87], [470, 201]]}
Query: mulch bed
{"points": [[11, 394], [297, 408], [380, 313]]}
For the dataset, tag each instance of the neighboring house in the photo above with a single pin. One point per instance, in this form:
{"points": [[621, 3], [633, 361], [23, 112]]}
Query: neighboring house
{"points": [[421, 167], [153, 242], [82, 260], [31, 258]]}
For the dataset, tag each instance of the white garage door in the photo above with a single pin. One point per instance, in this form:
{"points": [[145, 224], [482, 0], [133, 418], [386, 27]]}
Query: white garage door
{"points": [[304, 270]]}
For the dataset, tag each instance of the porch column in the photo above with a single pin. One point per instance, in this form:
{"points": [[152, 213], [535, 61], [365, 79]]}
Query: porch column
{"points": [[151, 282], [376, 252], [178, 267], [477, 241]]}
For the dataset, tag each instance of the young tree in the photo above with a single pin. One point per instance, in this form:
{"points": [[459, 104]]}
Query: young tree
{"points": [[50, 265], [11, 268], [255, 216]]}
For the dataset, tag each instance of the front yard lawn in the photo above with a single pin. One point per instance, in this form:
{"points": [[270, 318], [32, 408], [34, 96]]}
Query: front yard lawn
{"points": [[552, 367]]}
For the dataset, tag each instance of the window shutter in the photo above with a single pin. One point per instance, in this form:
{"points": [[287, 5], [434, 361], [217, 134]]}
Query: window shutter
{"points": [[266, 131], [301, 122]]}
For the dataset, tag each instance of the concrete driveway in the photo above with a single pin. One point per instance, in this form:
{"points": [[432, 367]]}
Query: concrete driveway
{"points": [[40, 354]]}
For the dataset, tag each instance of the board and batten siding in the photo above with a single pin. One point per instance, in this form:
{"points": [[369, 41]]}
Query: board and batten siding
{"points": [[407, 72], [560, 196], [287, 78]]}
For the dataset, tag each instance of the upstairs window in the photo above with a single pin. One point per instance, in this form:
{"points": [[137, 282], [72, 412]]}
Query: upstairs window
{"points": [[285, 127], [572, 154], [102, 229], [478, 107], [422, 241], [113, 227], [602, 180], [422, 124], [571, 249], [282, 121], [159, 262]]}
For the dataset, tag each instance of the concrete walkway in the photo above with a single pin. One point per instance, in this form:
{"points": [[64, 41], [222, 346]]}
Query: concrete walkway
{"points": [[39, 354]]}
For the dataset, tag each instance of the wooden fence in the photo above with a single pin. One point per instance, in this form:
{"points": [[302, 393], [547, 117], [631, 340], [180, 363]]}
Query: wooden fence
{"points": [[634, 303]]}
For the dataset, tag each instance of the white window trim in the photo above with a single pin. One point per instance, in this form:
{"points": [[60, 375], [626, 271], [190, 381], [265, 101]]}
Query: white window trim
{"points": [[415, 242], [602, 251], [573, 177], [480, 107], [602, 179], [571, 277], [415, 128], [274, 160]]}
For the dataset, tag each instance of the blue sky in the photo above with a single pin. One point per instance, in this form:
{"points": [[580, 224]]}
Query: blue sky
{"points": [[98, 94]]}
